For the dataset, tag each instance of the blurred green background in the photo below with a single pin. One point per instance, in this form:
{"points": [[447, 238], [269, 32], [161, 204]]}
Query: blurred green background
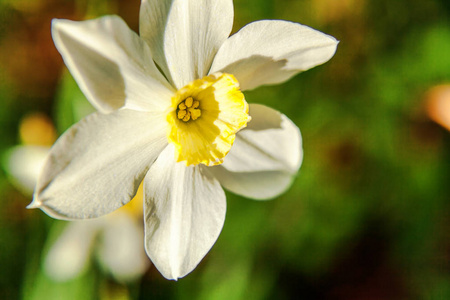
{"points": [[368, 214]]}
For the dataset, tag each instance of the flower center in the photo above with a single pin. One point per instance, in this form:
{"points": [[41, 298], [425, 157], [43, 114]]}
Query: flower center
{"points": [[188, 109], [205, 116]]}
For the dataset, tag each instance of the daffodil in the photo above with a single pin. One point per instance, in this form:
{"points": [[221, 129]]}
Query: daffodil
{"points": [[23, 164], [172, 114], [117, 238]]}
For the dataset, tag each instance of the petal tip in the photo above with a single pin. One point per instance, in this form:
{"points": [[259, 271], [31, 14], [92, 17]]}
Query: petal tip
{"points": [[56, 22], [34, 204]]}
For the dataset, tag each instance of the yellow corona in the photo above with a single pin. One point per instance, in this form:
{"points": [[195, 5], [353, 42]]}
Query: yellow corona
{"points": [[204, 118]]}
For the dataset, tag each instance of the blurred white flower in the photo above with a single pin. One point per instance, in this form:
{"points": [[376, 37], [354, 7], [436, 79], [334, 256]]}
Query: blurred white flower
{"points": [[172, 114], [116, 239], [23, 164]]}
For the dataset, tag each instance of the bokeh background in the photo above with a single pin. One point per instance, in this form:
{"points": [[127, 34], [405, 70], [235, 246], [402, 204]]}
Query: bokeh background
{"points": [[368, 214]]}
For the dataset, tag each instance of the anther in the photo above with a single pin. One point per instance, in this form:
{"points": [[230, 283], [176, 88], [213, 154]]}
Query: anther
{"points": [[181, 114], [187, 117], [189, 101], [188, 109], [195, 113]]}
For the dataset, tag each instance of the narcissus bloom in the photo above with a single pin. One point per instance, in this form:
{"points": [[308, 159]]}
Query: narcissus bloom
{"points": [[172, 114], [116, 238]]}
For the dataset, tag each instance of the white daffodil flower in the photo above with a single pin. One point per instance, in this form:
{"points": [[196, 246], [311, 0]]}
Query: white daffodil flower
{"points": [[116, 238], [172, 114], [23, 164]]}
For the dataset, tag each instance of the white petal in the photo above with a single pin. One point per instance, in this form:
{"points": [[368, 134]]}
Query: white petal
{"points": [[261, 185], [69, 255], [270, 142], [184, 35], [112, 65], [122, 247], [23, 164], [98, 164], [184, 213], [265, 156], [269, 52]]}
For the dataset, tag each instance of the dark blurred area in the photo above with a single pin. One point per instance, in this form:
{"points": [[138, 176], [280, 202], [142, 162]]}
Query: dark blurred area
{"points": [[366, 218]]}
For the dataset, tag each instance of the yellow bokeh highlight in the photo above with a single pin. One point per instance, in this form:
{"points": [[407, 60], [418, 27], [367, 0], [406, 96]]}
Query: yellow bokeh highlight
{"points": [[37, 129]]}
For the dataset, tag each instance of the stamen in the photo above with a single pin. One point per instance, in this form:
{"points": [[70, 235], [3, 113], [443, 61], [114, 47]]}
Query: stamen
{"points": [[189, 101], [195, 113], [188, 109], [181, 114]]}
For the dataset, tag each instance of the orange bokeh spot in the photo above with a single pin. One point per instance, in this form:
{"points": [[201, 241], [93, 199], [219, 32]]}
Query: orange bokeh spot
{"points": [[37, 129], [438, 105]]}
